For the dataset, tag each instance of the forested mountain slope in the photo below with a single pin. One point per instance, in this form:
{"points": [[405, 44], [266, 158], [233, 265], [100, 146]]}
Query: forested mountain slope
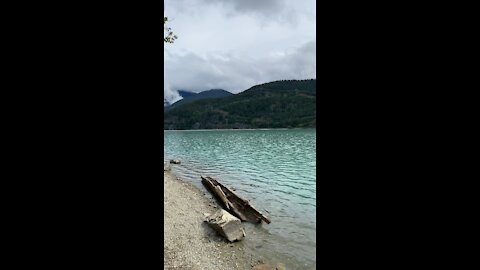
{"points": [[279, 104]]}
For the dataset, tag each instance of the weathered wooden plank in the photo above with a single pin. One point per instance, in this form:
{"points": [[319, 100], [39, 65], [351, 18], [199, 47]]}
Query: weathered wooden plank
{"points": [[223, 197], [217, 190], [246, 203], [233, 202]]}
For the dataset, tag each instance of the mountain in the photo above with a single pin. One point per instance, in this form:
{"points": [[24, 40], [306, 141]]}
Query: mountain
{"points": [[279, 104], [189, 97], [185, 94]]}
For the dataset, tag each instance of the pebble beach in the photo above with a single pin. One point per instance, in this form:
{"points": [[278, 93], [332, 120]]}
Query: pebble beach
{"points": [[189, 243]]}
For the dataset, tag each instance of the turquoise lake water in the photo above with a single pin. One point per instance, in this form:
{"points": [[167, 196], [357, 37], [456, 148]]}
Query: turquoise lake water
{"points": [[274, 169]]}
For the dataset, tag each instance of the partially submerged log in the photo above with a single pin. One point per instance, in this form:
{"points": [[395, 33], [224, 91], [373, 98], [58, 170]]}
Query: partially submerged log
{"points": [[217, 190], [238, 206], [227, 225]]}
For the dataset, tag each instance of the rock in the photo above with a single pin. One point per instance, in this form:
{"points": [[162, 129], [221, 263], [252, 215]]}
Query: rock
{"points": [[227, 225], [175, 161], [263, 266], [167, 167]]}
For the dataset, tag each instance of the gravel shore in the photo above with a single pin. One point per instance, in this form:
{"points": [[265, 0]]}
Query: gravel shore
{"points": [[189, 243]]}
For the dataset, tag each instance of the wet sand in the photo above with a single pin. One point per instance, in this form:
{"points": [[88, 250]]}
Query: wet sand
{"points": [[189, 243]]}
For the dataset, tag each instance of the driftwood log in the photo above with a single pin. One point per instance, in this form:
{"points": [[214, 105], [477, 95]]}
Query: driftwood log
{"points": [[236, 205]]}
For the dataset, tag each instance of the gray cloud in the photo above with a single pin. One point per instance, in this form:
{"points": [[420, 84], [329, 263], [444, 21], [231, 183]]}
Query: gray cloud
{"points": [[266, 9], [236, 73], [234, 45]]}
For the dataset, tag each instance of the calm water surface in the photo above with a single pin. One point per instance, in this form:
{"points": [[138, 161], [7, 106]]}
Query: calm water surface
{"points": [[274, 169]]}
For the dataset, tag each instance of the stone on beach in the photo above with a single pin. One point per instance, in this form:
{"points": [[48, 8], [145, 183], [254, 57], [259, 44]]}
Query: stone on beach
{"points": [[263, 266], [167, 167], [227, 225], [175, 161]]}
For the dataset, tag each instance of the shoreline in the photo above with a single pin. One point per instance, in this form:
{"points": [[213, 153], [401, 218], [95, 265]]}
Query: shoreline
{"points": [[189, 243]]}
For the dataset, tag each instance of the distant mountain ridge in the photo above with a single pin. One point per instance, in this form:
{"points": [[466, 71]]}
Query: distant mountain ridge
{"points": [[279, 104], [189, 97], [185, 94]]}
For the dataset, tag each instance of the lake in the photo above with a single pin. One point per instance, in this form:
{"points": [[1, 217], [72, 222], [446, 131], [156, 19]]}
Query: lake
{"points": [[274, 169]]}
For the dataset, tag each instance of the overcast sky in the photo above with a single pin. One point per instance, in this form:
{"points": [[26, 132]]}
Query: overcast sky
{"points": [[236, 44]]}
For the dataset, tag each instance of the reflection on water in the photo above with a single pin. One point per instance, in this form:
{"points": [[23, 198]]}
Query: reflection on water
{"points": [[274, 169]]}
